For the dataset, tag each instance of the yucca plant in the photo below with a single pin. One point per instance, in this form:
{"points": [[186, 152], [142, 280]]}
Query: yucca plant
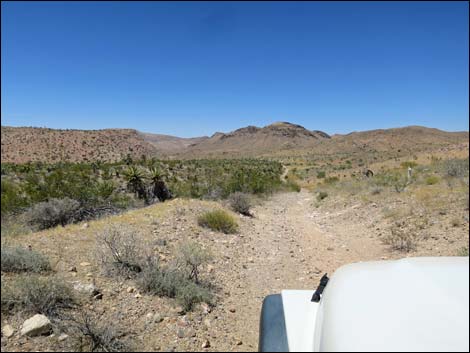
{"points": [[135, 182]]}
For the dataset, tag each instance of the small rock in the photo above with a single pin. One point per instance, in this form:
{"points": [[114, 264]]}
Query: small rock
{"points": [[7, 331], [98, 296], [63, 337], [89, 274], [73, 269], [239, 343], [206, 344], [85, 264], [89, 288], [232, 310], [37, 325], [85, 226], [206, 309], [130, 290], [138, 295], [180, 333]]}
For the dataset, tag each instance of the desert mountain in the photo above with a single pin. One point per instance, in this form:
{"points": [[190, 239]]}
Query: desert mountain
{"points": [[170, 145], [253, 141], [24, 144]]}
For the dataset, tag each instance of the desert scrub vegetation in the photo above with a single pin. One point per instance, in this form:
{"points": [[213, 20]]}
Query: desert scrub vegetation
{"points": [[51, 213], [30, 293], [107, 188], [90, 334], [18, 259], [241, 203], [121, 252], [403, 236], [218, 220]]}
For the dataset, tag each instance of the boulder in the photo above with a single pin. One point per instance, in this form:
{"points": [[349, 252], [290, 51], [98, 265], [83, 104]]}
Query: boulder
{"points": [[37, 325]]}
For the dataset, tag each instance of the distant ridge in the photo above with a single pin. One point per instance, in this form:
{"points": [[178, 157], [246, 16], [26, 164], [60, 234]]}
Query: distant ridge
{"points": [[24, 144]]}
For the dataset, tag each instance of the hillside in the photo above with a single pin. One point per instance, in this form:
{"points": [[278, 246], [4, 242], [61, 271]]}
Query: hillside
{"points": [[24, 144], [170, 145], [254, 141], [282, 139]]}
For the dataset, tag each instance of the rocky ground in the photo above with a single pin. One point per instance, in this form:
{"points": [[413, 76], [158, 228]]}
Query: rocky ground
{"points": [[289, 243]]}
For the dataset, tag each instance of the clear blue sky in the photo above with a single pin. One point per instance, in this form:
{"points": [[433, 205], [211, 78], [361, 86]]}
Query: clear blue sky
{"points": [[191, 69]]}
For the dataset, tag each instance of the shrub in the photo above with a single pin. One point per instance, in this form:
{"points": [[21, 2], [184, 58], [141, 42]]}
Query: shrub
{"points": [[12, 198], [463, 251], [173, 283], [192, 256], [322, 195], [431, 180], [376, 191], [92, 334], [218, 220], [321, 174], [240, 202], [401, 238], [34, 294], [292, 185], [17, 259], [120, 252], [456, 167], [52, 213], [331, 180], [408, 164], [189, 294]]}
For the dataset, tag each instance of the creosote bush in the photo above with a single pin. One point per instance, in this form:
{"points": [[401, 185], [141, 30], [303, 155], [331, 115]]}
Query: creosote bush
{"points": [[34, 294], [120, 251], [240, 202], [52, 213], [17, 259], [218, 220]]}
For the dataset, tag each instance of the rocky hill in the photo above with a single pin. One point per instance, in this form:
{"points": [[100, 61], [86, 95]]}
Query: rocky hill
{"points": [[170, 145], [254, 141], [24, 144]]}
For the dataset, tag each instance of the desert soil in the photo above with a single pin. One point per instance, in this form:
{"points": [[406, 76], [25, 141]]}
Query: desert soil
{"points": [[288, 244]]}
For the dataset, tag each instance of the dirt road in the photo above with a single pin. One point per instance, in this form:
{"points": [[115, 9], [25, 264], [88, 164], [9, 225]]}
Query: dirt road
{"points": [[286, 247]]}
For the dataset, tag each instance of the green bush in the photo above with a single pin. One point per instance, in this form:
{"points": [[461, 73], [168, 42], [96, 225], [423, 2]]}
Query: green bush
{"points": [[34, 294], [331, 180], [408, 164], [17, 259], [321, 174], [12, 197], [218, 220], [52, 213], [431, 180], [240, 202]]}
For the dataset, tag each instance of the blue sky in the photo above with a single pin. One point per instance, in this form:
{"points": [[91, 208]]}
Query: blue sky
{"points": [[190, 69]]}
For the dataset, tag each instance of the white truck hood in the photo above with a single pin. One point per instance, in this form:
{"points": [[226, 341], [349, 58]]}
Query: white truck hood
{"points": [[413, 304]]}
